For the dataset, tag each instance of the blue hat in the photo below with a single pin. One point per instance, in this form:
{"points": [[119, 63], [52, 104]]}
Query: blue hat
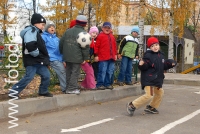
{"points": [[135, 29], [107, 24]]}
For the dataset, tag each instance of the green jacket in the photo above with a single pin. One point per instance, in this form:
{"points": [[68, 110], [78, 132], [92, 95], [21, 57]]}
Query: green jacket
{"points": [[129, 46], [71, 50]]}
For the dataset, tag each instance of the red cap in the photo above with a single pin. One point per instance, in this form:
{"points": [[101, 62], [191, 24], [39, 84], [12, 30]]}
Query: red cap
{"points": [[151, 41], [72, 23]]}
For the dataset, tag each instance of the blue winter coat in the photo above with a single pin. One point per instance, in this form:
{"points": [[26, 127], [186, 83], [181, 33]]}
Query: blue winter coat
{"points": [[52, 45]]}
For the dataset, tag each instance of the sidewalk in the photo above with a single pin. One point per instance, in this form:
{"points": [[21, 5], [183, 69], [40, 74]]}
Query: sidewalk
{"points": [[182, 79], [40, 104]]}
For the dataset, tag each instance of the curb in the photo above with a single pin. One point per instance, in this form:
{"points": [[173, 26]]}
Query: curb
{"points": [[40, 104], [182, 82], [179, 81]]}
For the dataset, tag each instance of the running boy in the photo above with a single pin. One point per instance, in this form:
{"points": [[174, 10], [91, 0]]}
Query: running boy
{"points": [[152, 68]]}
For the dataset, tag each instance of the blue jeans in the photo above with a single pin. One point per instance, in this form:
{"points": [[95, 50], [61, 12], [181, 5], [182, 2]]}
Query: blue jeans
{"points": [[59, 68], [125, 73], [29, 75], [105, 73]]}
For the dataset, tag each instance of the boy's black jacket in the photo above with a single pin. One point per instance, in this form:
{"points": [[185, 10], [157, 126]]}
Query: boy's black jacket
{"points": [[152, 71], [42, 58]]}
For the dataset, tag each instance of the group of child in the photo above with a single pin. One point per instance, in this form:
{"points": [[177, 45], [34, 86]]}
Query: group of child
{"points": [[66, 57]]}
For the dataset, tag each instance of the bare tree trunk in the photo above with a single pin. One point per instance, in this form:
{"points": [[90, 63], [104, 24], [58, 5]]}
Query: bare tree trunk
{"points": [[5, 17], [141, 26], [171, 38], [34, 6], [171, 41], [89, 15]]}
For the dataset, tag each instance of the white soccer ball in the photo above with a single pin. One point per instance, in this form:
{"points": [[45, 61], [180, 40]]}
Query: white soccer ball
{"points": [[84, 39]]}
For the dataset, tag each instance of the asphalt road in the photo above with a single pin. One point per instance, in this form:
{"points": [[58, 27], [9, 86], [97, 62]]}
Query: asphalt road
{"points": [[179, 114]]}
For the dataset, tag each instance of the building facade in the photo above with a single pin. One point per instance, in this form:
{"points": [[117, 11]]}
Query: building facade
{"points": [[183, 47]]}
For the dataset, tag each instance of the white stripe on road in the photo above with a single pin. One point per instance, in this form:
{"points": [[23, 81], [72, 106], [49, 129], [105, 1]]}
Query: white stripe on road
{"points": [[87, 125], [197, 92], [173, 124], [23, 132]]}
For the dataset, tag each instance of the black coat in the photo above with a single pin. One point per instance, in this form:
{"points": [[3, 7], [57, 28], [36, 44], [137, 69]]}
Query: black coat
{"points": [[34, 41], [152, 71]]}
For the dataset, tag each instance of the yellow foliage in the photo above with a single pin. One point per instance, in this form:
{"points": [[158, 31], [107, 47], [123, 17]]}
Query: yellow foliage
{"points": [[63, 11], [5, 20], [179, 9], [157, 13]]}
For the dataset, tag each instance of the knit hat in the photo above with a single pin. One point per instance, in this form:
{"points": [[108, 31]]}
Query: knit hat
{"points": [[81, 20], [107, 24], [135, 29], [48, 25], [94, 29], [72, 23], [151, 41], [37, 18]]}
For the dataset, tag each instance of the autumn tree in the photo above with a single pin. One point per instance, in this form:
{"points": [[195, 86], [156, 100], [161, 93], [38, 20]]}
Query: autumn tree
{"points": [[61, 12], [97, 11], [5, 19], [107, 10]]}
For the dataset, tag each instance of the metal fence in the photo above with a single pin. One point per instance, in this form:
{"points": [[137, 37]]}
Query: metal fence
{"points": [[54, 79]]}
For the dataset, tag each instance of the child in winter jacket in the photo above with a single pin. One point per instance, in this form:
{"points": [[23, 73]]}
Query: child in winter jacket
{"points": [[89, 81], [128, 50], [35, 57], [56, 62], [73, 54], [106, 53], [152, 67]]}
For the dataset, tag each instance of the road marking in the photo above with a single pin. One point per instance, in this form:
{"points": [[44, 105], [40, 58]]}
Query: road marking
{"points": [[87, 125], [23, 132], [173, 124], [197, 92]]}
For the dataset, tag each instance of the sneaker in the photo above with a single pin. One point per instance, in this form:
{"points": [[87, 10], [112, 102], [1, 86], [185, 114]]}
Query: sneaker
{"points": [[130, 108], [120, 83], [129, 83], [46, 95], [150, 109], [64, 92], [81, 87], [76, 91], [109, 87], [101, 88], [92, 88]]}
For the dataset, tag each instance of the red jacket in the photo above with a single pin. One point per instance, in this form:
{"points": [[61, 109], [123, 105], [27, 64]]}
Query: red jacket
{"points": [[105, 47]]}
